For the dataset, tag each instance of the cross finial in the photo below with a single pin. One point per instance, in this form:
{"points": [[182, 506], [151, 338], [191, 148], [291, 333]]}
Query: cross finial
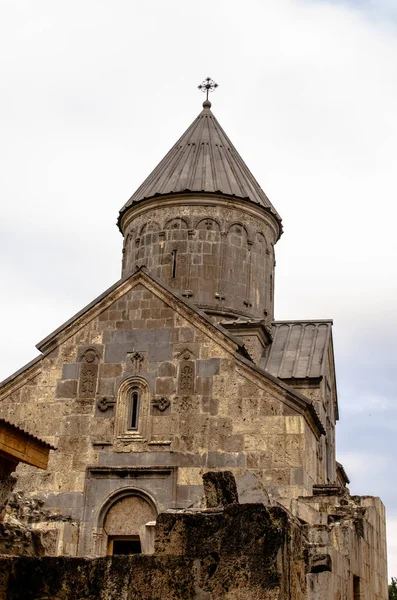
{"points": [[207, 86]]}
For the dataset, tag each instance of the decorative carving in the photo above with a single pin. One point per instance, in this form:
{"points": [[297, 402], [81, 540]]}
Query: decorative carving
{"points": [[176, 223], [186, 377], [89, 356], [161, 403], [88, 380], [135, 362], [185, 403], [208, 224], [104, 403], [88, 373]]}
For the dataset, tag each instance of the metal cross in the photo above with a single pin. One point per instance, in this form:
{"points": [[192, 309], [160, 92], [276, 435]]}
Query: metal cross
{"points": [[207, 86]]}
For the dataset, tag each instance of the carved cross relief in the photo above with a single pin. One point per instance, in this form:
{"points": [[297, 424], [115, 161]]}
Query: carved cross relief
{"points": [[135, 362], [88, 373], [186, 377]]}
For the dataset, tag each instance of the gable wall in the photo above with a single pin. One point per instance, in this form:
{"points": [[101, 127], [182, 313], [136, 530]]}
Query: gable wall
{"points": [[230, 418]]}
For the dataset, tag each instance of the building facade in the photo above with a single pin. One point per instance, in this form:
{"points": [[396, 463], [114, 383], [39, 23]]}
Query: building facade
{"points": [[180, 368]]}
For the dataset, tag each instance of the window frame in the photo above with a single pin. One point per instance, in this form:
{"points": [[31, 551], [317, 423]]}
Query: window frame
{"points": [[133, 410], [124, 429]]}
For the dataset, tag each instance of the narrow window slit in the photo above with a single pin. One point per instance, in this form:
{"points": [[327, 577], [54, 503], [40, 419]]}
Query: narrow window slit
{"points": [[174, 264], [134, 410]]}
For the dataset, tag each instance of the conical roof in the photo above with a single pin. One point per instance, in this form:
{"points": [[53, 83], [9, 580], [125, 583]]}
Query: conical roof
{"points": [[203, 160]]}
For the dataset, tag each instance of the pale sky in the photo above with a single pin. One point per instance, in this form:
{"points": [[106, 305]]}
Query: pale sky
{"points": [[93, 93]]}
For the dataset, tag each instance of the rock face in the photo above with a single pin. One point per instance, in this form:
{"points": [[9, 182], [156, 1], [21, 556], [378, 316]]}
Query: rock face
{"points": [[26, 530], [6, 486], [220, 488]]}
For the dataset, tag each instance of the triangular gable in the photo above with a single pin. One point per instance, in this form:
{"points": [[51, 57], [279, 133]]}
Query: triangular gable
{"points": [[188, 311], [117, 291]]}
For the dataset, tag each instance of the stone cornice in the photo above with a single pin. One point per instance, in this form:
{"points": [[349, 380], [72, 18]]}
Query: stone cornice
{"points": [[204, 199]]}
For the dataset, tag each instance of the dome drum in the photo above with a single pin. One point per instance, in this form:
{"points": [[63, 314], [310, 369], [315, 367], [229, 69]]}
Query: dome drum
{"points": [[214, 252]]}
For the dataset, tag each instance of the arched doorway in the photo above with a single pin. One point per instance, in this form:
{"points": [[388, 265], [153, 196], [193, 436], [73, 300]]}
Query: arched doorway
{"points": [[127, 523]]}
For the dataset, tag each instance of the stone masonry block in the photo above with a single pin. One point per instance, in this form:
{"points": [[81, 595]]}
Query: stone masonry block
{"points": [[70, 371], [208, 368], [66, 388], [220, 489]]}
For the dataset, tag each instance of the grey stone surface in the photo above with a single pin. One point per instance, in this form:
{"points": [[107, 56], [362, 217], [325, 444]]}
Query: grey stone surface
{"points": [[66, 389], [70, 371], [208, 368]]}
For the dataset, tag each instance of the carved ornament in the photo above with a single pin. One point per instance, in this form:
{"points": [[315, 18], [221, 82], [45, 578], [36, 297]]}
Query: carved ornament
{"points": [[161, 403], [104, 403]]}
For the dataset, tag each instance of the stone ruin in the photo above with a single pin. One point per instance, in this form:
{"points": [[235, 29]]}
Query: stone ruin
{"points": [[225, 550]]}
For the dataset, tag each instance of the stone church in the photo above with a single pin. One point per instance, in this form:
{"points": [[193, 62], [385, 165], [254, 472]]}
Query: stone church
{"points": [[179, 369]]}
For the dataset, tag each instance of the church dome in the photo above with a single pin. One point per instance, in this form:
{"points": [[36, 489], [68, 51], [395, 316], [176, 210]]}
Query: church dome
{"points": [[202, 224]]}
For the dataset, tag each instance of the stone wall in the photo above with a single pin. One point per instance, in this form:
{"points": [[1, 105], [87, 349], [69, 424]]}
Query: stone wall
{"points": [[201, 408], [221, 257], [241, 552]]}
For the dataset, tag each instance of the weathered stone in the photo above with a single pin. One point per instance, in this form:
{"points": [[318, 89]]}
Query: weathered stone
{"points": [[220, 489], [66, 389]]}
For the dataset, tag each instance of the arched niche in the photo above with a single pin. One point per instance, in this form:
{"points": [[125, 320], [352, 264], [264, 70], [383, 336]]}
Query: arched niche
{"points": [[259, 244], [237, 235], [126, 523], [176, 223], [133, 409], [208, 229], [149, 227]]}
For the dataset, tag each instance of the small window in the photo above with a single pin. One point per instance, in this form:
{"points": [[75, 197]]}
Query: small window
{"points": [[133, 409], [356, 588], [174, 264], [124, 545]]}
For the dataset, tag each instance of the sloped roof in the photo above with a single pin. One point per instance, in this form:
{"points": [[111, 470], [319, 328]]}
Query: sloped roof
{"points": [[298, 349], [27, 434], [202, 160]]}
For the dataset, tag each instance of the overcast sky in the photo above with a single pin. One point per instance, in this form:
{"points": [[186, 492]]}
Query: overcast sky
{"points": [[93, 93]]}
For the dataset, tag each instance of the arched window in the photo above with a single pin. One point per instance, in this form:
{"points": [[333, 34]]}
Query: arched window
{"points": [[133, 409]]}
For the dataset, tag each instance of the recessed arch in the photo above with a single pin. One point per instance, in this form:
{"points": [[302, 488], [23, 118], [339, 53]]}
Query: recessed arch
{"points": [[260, 244], [238, 228], [126, 518], [133, 413], [149, 227], [176, 223], [209, 224], [120, 494]]}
